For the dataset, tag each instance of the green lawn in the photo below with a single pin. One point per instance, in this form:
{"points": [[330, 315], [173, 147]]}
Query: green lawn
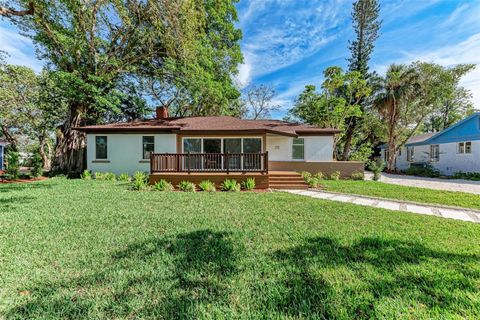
{"points": [[94, 249], [391, 191]]}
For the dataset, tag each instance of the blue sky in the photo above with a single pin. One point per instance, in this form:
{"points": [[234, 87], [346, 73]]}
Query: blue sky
{"points": [[288, 43]]}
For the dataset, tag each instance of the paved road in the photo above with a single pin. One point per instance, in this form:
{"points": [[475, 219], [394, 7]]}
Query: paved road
{"points": [[439, 211], [430, 183]]}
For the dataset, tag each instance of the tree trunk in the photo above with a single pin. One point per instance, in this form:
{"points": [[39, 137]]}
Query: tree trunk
{"points": [[391, 155], [44, 154], [348, 139], [12, 142], [70, 147]]}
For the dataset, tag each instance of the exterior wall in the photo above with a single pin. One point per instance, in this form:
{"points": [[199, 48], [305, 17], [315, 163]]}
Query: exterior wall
{"points": [[124, 152], [450, 161], [317, 148], [1, 156], [346, 168]]}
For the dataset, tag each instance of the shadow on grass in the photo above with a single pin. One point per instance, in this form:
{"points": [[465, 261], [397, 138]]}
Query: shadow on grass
{"points": [[328, 280], [13, 202], [158, 278], [20, 186]]}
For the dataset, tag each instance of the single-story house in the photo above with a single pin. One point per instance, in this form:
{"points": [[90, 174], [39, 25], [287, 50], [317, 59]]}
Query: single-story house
{"points": [[3, 144], [214, 148], [455, 149]]}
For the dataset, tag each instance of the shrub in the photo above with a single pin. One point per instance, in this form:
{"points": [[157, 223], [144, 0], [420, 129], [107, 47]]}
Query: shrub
{"points": [[313, 180], [335, 175], [13, 165], [140, 181], [248, 184], [108, 176], [357, 175], [163, 185], [187, 186], [376, 167], [230, 185], [124, 177], [467, 175], [86, 175], [37, 165], [207, 185], [423, 170], [363, 153]]}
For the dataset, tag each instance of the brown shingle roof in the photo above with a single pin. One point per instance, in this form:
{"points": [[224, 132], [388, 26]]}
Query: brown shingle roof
{"points": [[212, 124]]}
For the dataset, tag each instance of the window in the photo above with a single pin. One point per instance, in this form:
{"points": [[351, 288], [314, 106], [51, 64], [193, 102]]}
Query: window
{"points": [[100, 147], [192, 145], [400, 151], [410, 153], [252, 145], [298, 149], [465, 147], [434, 152], [148, 146]]}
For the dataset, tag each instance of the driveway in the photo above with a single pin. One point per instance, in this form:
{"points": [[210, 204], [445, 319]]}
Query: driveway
{"points": [[430, 183]]}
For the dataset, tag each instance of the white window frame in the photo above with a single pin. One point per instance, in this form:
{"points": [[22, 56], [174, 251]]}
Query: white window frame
{"points": [[434, 152], [143, 146], [296, 144], [222, 144], [95, 137], [410, 154], [463, 145]]}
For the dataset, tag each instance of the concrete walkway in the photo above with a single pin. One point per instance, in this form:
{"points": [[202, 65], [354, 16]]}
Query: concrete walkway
{"points": [[432, 210], [429, 183]]}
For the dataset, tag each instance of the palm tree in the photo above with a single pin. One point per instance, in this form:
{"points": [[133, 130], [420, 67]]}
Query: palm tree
{"points": [[394, 92]]}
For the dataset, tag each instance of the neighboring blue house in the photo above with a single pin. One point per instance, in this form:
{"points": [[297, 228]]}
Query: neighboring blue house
{"points": [[452, 150], [3, 143]]}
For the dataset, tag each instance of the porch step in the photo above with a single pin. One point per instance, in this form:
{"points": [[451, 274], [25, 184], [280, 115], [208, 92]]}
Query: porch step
{"points": [[286, 180]]}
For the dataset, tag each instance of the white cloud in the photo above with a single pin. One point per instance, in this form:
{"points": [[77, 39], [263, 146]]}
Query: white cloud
{"points": [[280, 33], [19, 48], [244, 73]]}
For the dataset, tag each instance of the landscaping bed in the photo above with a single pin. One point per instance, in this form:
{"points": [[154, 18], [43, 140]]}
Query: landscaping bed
{"points": [[95, 249]]}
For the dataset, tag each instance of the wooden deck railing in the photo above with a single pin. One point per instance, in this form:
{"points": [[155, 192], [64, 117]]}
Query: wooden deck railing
{"points": [[209, 162]]}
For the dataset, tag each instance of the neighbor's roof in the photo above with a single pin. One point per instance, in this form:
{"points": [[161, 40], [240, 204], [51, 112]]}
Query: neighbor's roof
{"points": [[3, 142], [213, 124], [415, 139]]}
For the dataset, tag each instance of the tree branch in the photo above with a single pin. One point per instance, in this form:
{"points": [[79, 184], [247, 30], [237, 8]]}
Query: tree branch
{"points": [[11, 12]]}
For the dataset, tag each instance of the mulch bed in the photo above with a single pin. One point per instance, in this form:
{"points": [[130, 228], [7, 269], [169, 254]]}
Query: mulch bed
{"points": [[23, 180]]}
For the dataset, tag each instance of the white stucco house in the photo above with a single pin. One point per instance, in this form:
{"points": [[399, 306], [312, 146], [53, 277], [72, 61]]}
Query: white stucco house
{"points": [[455, 149], [211, 145]]}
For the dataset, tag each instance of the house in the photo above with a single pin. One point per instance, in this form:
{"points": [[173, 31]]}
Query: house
{"points": [[3, 144], [455, 149], [214, 148]]}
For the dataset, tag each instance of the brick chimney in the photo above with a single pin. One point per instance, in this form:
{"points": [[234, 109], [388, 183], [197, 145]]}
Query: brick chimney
{"points": [[161, 113]]}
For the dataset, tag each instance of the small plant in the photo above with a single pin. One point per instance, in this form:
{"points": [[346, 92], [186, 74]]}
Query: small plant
{"points": [[357, 175], [107, 176], [37, 165], [163, 185], [248, 184], [230, 185], [376, 167], [140, 181], [186, 186], [475, 176], [423, 170], [86, 175], [335, 175], [13, 165], [207, 185], [124, 177], [313, 180]]}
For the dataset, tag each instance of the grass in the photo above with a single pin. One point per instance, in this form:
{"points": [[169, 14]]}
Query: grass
{"points": [[94, 249], [391, 191]]}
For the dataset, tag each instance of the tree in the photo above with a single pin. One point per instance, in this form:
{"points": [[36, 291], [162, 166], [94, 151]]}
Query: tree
{"points": [[94, 45], [29, 106], [258, 102], [338, 100], [366, 25], [455, 101], [406, 97]]}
